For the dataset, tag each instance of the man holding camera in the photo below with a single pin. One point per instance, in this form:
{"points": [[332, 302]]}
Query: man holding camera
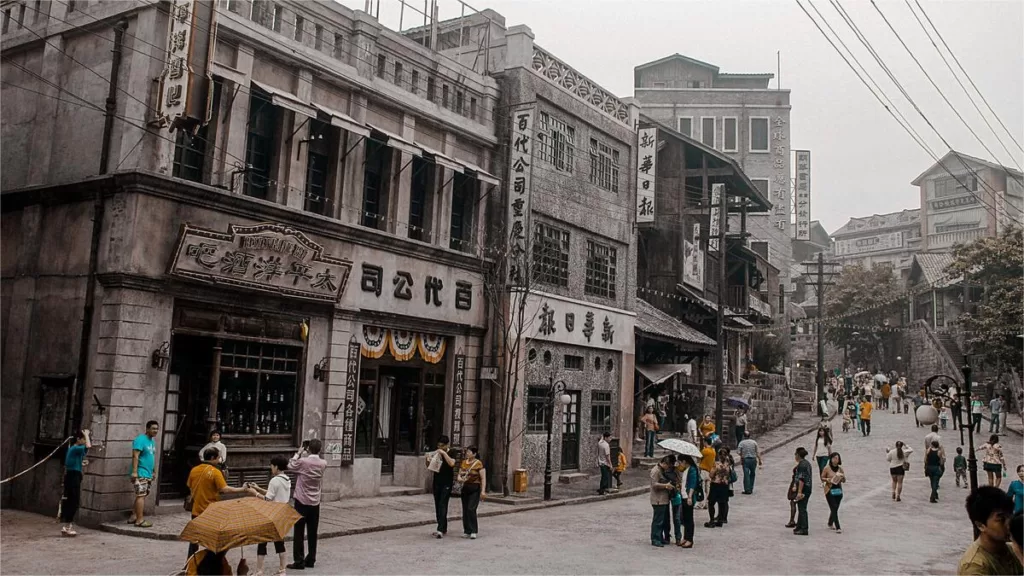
{"points": [[309, 470]]}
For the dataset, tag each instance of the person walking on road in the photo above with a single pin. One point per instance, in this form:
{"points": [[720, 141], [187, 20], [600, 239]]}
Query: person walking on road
{"points": [[994, 462], [741, 425], [960, 467], [750, 455], [473, 478], [897, 398], [707, 427], [976, 407], [443, 466], [995, 406], [206, 484], [899, 463], [832, 479], [989, 510], [707, 464], [143, 467], [650, 422], [309, 473], [930, 437], [822, 448], [933, 469], [956, 411], [604, 461], [73, 482], [718, 497], [865, 417], [675, 503], [619, 457], [660, 495], [279, 489], [691, 428], [801, 489]]}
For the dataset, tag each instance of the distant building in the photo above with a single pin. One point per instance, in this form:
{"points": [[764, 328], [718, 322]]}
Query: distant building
{"points": [[965, 198], [881, 240]]}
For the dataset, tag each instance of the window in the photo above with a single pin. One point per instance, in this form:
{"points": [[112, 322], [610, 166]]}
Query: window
{"points": [[21, 16], [317, 165], [538, 410], [275, 23], [557, 142], [600, 411], [260, 143], [382, 64], [232, 6], [7, 19], [600, 270], [257, 388], [71, 5], [940, 228], [707, 131], [376, 174], [604, 165], [696, 84], [572, 362], [318, 37], [550, 255], [953, 186], [460, 101], [414, 84], [398, 73], [190, 155], [686, 126], [472, 108], [444, 95], [762, 184], [421, 199], [339, 46], [300, 23], [729, 139], [431, 88], [887, 266], [464, 194], [54, 399], [759, 134]]}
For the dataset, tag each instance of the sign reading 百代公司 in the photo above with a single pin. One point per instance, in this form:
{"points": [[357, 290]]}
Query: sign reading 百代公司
{"points": [[875, 243], [803, 194], [266, 257], [185, 91], [646, 164], [459, 384], [520, 162], [715, 227]]}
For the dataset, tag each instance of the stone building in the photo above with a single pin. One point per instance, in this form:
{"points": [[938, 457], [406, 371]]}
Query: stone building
{"points": [[964, 198], [303, 260], [740, 116], [881, 240]]}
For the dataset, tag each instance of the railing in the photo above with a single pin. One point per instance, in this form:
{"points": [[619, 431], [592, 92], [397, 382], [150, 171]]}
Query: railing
{"points": [[945, 239], [950, 365], [567, 78]]}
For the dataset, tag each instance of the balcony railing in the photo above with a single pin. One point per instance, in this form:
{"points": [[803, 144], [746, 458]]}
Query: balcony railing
{"points": [[946, 239]]}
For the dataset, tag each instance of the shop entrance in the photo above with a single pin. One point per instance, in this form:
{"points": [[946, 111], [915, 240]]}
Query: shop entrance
{"points": [[571, 432]]}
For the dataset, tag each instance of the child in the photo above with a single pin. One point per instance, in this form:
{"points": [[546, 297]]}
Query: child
{"points": [[278, 490], [960, 467], [944, 416], [620, 467], [847, 420]]}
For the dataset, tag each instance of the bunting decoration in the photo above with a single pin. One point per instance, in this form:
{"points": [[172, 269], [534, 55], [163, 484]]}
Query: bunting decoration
{"points": [[375, 341], [432, 347], [403, 344]]}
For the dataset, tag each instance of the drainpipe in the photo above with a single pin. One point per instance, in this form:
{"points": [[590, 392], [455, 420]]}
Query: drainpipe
{"points": [[97, 226]]}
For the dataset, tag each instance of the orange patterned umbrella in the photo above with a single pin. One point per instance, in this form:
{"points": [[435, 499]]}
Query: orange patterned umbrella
{"points": [[240, 522]]}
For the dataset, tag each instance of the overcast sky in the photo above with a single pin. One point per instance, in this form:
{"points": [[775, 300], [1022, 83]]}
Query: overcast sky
{"points": [[862, 162]]}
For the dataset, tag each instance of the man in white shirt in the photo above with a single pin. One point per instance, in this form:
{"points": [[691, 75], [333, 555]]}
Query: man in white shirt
{"points": [[604, 461], [691, 428], [934, 436]]}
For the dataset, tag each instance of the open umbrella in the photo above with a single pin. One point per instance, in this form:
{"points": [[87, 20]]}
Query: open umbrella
{"points": [[862, 374], [881, 377], [240, 522], [680, 447], [738, 402]]}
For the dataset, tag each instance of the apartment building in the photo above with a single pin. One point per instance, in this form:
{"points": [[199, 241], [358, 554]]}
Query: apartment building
{"points": [[881, 240]]}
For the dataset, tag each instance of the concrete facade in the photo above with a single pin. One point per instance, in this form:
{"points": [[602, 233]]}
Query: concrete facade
{"points": [[886, 240]]}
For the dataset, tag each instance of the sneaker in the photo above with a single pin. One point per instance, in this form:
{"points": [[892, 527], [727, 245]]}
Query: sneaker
{"points": [[438, 535], [472, 536], [465, 535], [657, 544], [839, 530]]}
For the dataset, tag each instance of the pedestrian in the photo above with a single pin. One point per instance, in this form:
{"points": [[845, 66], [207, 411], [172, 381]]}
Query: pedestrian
{"points": [[279, 489], [956, 411], [932, 436], [707, 427], [686, 468], [993, 463], [143, 468], [1016, 491], [918, 401], [750, 455], [933, 468], [832, 479], [691, 428], [442, 465], [865, 417], [960, 467], [662, 410], [896, 399], [944, 415], [741, 425], [73, 481], [660, 496], [620, 466], [309, 468], [1017, 536], [604, 462], [707, 464], [847, 418], [886, 392], [206, 484], [675, 502], [800, 488], [473, 478], [208, 563], [718, 496], [898, 466], [822, 448], [976, 407], [989, 510], [214, 442], [650, 422], [995, 407]]}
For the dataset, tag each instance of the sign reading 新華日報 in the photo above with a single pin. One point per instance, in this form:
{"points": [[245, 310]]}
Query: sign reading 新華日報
{"points": [[646, 164]]}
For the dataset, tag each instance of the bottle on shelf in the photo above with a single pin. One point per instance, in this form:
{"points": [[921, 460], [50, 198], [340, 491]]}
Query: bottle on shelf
{"points": [[266, 396], [280, 397], [248, 395], [224, 393]]}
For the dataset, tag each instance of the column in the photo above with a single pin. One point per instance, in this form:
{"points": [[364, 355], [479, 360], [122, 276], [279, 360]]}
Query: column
{"points": [[232, 151], [351, 195], [293, 179]]}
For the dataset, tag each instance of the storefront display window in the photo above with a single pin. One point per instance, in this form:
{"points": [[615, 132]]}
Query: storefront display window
{"points": [[257, 388]]}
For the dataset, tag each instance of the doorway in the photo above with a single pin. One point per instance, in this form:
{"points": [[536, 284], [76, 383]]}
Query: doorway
{"points": [[571, 432], [185, 412], [398, 414]]}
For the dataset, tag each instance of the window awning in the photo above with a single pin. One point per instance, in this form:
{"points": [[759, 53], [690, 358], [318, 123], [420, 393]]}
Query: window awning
{"points": [[655, 323], [658, 373], [286, 100], [397, 142], [440, 159], [479, 173], [342, 120]]}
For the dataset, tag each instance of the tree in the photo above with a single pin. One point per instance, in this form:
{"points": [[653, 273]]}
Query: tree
{"points": [[768, 352], [997, 265], [867, 300]]}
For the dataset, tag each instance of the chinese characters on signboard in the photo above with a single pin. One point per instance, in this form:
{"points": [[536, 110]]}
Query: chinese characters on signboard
{"points": [[350, 393], [780, 174], [803, 195], [715, 226], [520, 162], [460, 390], [877, 243], [959, 201], [646, 161], [693, 261], [177, 73], [557, 319], [403, 285]]}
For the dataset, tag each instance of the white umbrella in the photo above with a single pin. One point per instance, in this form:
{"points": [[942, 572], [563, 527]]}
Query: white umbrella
{"points": [[680, 447], [881, 377], [862, 374]]}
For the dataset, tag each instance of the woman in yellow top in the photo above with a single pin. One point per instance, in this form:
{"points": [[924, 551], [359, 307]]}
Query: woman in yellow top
{"points": [[620, 467], [707, 427], [472, 477], [865, 416]]}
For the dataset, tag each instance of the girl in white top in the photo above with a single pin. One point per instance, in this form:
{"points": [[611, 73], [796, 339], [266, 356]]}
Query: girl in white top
{"points": [[899, 459], [216, 443], [278, 490]]}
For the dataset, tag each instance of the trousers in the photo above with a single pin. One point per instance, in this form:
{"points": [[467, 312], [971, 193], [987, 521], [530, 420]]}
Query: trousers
{"points": [[72, 496], [651, 436], [687, 521], [442, 495], [833, 507], [658, 520], [305, 532], [676, 522], [606, 479], [749, 472], [470, 502], [865, 427], [718, 498], [801, 513]]}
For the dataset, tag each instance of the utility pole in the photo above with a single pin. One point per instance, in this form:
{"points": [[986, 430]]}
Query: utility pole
{"points": [[719, 191], [820, 285]]}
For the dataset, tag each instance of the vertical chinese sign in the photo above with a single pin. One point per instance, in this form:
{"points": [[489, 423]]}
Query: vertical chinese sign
{"points": [[520, 162], [185, 83], [780, 198], [714, 228], [803, 194], [459, 387], [646, 163], [350, 393]]}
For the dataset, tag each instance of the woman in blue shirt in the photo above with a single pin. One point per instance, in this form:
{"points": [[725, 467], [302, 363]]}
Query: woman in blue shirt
{"points": [[1016, 491], [73, 481]]}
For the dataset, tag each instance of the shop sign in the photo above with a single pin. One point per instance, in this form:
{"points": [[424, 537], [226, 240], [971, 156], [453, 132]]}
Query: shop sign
{"points": [[876, 243], [184, 83], [460, 389], [803, 194], [715, 228], [267, 258], [780, 179], [559, 319], [956, 202], [646, 163], [350, 393], [520, 161], [693, 261]]}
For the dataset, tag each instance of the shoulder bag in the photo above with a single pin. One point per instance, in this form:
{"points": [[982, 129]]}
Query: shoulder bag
{"points": [[460, 479]]}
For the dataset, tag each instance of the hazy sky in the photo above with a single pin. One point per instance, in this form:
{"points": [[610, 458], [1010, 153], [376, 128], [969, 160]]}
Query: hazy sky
{"points": [[862, 161]]}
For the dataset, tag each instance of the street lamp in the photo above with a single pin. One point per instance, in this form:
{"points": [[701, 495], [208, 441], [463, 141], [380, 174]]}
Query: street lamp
{"points": [[556, 396]]}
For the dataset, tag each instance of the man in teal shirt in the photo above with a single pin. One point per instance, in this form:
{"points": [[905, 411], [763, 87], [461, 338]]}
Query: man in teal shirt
{"points": [[143, 465]]}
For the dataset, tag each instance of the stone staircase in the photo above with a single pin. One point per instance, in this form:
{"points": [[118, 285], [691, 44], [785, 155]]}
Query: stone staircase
{"points": [[640, 461], [950, 346]]}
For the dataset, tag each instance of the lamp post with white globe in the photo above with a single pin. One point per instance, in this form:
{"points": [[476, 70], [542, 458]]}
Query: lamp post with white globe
{"points": [[557, 397], [928, 413]]}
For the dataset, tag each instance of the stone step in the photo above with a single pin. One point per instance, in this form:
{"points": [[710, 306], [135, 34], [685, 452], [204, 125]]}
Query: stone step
{"points": [[401, 490], [573, 477]]}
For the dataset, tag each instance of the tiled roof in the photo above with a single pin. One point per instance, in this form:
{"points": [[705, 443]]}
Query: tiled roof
{"points": [[954, 162], [650, 320], [933, 266], [909, 216]]}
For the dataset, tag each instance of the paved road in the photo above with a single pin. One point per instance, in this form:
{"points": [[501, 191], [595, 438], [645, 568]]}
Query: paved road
{"points": [[879, 536]]}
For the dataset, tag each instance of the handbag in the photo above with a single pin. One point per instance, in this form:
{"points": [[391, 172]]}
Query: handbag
{"points": [[906, 466], [732, 475], [791, 494], [460, 480]]}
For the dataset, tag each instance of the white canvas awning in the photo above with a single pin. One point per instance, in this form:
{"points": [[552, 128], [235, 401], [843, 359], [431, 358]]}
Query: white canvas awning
{"points": [[286, 100], [658, 373], [479, 173], [442, 160], [397, 142], [342, 120]]}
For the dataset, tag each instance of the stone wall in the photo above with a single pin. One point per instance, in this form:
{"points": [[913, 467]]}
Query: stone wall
{"points": [[770, 399], [927, 357]]}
